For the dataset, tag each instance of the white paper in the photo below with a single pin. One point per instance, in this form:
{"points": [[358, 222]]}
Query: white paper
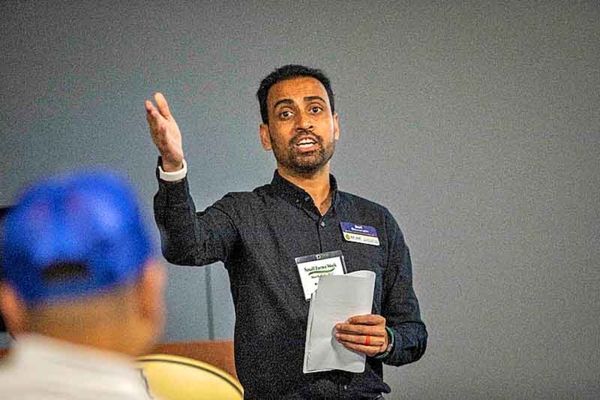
{"points": [[338, 298]]}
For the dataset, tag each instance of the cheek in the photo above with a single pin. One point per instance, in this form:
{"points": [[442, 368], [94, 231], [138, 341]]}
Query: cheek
{"points": [[280, 135], [327, 125]]}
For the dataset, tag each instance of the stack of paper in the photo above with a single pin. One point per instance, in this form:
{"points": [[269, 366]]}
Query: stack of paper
{"points": [[337, 298]]}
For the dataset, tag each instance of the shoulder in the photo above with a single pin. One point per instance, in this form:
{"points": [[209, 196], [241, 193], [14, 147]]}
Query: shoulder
{"points": [[371, 213], [243, 201], [354, 201], [245, 196]]}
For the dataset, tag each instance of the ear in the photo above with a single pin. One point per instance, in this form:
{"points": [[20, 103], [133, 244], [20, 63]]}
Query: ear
{"points": [[13, 309], [265, 137], [336, 127], [151, 293]]}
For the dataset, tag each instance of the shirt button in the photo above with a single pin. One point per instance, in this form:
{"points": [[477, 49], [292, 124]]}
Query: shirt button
{"points": [[345, 387], [322, 224]]}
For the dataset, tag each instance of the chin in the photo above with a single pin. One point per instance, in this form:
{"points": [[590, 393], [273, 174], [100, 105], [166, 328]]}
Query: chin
{"points": [[307, 168]]}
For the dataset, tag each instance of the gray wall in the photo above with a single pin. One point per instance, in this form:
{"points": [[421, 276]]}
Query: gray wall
{"points": [[476, 122]]}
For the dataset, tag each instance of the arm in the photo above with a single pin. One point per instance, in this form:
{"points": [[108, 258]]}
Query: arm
{"points": [[400, 305], [188, 237], [400, 323]]}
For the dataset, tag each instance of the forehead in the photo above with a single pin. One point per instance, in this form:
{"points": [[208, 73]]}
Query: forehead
{"points": [[296, 89]]}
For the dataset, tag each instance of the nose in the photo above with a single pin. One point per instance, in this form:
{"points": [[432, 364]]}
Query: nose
{"points": [[304, 122]]}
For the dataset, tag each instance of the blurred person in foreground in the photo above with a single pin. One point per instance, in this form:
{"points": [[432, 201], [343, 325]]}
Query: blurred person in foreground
{"points": [[81, 290]]}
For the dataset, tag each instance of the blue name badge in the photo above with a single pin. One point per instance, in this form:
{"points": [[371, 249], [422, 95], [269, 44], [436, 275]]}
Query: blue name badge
{"points": [[360, 233]]}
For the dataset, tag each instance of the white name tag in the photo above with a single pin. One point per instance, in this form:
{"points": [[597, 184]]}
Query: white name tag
{"points": [[313, 267]]}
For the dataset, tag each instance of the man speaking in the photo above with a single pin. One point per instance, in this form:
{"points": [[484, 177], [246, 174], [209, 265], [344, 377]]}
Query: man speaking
{"points": [[259, 235]]}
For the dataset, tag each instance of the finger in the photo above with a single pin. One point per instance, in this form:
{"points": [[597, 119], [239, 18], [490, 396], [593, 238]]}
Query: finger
{"points": [[152, 116], [163, 106], [361, 348], [360, 329], [150, 110], [372, 341], [149, 106], [367, 319], [357, 329]]}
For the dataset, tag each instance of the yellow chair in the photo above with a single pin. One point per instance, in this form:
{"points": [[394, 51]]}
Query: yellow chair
{"points": [[180, 378], [215, 352]]}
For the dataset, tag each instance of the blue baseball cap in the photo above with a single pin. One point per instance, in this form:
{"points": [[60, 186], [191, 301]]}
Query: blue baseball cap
{"points": [[90, 220]]}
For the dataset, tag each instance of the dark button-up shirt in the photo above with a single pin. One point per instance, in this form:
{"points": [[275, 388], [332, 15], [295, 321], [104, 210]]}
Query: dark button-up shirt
{"points": [[258, 235]]}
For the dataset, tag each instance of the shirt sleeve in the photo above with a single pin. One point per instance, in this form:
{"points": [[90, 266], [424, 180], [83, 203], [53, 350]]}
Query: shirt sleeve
{"points": [[189, 237], [400, 305]]}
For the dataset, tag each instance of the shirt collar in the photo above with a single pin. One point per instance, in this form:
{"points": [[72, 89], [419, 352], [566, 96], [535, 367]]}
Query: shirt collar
{"points": [[295, 194], [49, 360]]}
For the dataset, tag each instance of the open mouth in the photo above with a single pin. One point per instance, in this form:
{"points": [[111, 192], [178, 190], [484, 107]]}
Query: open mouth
{"points": [[306, 143]]}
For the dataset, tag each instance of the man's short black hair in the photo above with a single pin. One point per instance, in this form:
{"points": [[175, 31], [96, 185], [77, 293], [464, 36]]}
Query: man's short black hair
{"points": [[288, 72]]}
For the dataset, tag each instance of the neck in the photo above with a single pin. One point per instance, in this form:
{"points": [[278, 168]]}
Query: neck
{"points": [[112, 325], [315, 184]]}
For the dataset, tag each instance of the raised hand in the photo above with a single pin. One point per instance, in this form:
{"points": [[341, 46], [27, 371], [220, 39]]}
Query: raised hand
{"points": [[165, 133]]}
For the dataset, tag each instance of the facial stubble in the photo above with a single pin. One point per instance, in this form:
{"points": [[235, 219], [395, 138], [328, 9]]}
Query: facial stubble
{"points": [[303, 162]]}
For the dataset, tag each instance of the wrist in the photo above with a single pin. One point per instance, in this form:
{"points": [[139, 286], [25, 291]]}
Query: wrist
{"points": [[169, 175], [171, 166], [390, 347]]}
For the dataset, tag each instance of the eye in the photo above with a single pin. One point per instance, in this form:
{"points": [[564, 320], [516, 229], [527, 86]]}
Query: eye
{"points": [[316, 109], [285, 114]]}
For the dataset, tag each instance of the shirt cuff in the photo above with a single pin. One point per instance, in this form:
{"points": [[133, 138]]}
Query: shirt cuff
{"points": [[390, 347], [173, 176]]}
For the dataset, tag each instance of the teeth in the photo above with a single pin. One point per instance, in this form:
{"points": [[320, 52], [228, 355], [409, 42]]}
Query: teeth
{"points": [[306, 142]]}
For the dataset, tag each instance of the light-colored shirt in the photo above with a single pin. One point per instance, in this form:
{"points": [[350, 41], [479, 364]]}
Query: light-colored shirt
{"points": [[39, 367]]}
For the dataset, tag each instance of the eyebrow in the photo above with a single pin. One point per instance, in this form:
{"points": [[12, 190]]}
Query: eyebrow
{"points": [[307, 99]]}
